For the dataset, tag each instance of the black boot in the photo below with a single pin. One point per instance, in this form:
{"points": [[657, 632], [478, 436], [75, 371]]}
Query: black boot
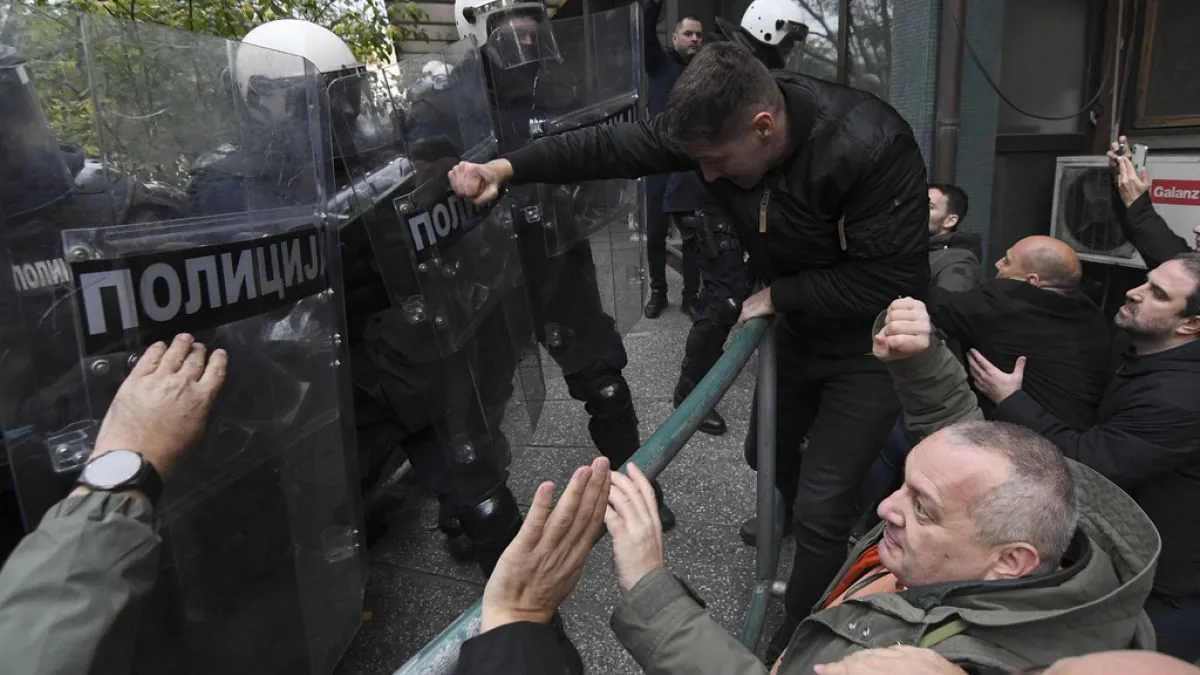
{"points": [[665, 514], [705, 344], [688, 305], [656, 304], [457, 543]]}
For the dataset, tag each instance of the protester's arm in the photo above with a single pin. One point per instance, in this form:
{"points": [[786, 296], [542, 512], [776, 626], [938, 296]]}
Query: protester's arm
{"points": [[536, 572], [629, 150], [656, 58], [666, 630], [522, 648], [886, 232], [1146, 230], [1142, 440], [929, 380], [69, 592], [1150, 234]]}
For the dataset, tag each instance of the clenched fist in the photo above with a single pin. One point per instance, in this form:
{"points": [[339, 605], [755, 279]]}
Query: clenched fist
{"points": [[905, 333], [480, 182]]}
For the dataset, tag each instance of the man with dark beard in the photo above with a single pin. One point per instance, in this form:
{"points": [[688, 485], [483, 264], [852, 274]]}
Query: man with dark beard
{"points": [[1147, 433]]}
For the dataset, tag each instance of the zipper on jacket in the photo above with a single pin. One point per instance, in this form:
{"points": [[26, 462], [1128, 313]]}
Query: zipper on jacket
{"points": [[762, 211]]}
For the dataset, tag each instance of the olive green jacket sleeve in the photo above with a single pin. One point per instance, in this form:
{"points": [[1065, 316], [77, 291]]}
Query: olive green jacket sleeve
{"points": [[667, 630], [933, 389], [70, 592]]}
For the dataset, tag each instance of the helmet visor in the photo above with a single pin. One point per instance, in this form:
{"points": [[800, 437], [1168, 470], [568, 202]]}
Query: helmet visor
{"points": [[520, 38]]}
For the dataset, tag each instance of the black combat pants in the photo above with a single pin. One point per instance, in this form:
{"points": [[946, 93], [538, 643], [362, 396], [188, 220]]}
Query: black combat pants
{"points": [[583, 340], [846, 408], [709, 240]]}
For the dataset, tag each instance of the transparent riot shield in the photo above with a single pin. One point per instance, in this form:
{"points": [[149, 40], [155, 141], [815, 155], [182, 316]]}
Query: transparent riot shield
{"points": [[447, 264], [593, 77], [262, 568]]}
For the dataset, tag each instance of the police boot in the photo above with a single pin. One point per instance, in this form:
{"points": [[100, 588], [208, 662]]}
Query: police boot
{"points": [[457, 543], [492, 523], [614, 429], [656, 304], [705, 344]]}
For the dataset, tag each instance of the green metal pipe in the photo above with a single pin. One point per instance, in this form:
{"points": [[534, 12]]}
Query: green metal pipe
{"points": [[756, 615], [440, 656]]}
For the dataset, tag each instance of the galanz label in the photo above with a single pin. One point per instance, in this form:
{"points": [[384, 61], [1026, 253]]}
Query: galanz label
{"points": [[1182, 192]]}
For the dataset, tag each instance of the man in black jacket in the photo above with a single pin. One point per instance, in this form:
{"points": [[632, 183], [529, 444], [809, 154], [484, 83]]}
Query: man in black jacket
{"points": [[826, 187], [953, 255], [1033, 311], [664, 194], [1146, 437]]}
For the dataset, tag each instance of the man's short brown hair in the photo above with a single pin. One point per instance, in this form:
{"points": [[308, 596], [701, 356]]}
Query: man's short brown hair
{"points": [[716, 95]]}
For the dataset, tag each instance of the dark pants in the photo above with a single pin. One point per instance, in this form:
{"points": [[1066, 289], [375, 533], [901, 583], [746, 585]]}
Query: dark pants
{"points": [[887, 473], [725, 282], [846, 407], [1176, 625], [656, 232]]}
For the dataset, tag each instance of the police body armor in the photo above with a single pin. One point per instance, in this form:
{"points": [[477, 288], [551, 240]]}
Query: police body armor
{"points": [[577, 240], [453, 356], [263, 569]]}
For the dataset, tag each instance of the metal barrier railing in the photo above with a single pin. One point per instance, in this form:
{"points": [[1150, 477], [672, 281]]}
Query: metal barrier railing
{"points": [[440, 656]]}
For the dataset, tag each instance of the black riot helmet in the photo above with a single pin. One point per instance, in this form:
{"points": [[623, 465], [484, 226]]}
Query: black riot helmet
{"points": [[32, 172]]}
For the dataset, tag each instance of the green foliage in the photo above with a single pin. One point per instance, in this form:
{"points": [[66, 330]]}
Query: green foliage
{"points": [[370, 27], [146, 84]]}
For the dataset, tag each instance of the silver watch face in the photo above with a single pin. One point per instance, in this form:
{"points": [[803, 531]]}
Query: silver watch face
{"points": [[112, 469]]}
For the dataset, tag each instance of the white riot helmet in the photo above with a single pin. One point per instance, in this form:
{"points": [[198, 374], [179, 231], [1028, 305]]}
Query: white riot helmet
{"points": [[771, 21], [513, 32], [264, 77]]}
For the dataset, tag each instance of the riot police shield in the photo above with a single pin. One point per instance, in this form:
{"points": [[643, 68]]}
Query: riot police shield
{"points": [[449, 266], [591, 75], [262, 568]]}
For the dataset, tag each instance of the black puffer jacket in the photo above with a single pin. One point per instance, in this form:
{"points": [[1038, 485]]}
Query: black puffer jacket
{"points": [[846, 212]]}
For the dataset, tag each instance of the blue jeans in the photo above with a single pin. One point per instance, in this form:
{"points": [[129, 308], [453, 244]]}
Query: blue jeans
{"points": [[887, 473]]}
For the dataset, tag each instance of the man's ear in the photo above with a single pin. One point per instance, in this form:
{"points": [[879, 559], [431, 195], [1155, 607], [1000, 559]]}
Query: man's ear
{"points": [[1190, 326], [1033, 279], [763, 125], [951, 221], [1014, 561]]}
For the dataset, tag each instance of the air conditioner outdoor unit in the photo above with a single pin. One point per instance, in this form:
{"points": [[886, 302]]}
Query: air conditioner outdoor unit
{"points": [[1083, 215]]}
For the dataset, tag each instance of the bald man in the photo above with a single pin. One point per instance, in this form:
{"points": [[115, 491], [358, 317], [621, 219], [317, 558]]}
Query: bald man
{"points": [[1034, 309]]}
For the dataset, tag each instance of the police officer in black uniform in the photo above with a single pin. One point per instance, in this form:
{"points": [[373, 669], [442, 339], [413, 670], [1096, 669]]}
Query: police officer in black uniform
{"points": [[406, 390], [565, 296]]}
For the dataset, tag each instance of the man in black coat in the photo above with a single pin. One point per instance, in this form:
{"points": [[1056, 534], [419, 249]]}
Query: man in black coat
{"points": [[826, 188], [664, 195]]}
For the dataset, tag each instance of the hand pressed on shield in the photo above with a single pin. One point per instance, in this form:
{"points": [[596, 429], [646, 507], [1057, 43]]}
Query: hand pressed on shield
{"points": [[994, 383], [541, 566], [480, 183], [162, 407], [632, 520], [898, 660], [906, 332]]}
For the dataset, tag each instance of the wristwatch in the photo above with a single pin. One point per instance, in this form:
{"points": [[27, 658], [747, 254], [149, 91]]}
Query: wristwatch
{"points": [[122, 470]]}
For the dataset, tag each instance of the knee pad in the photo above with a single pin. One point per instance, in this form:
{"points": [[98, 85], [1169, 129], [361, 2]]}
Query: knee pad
{"points": [[492, 517], [604, 393]]}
